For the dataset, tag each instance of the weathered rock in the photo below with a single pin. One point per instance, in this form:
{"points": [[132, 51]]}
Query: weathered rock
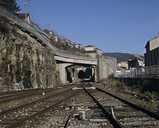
{"points": [[24, 62]]}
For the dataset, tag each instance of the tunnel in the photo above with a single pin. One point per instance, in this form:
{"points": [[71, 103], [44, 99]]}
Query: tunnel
{"points": [[80, 73]]}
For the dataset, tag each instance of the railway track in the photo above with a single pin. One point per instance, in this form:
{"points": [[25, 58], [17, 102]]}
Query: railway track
{"points": [[17, 116], [122, 113], [86, 113], [79, 107], [107, 115], [14, 95], [17, 95], [16, 100]]}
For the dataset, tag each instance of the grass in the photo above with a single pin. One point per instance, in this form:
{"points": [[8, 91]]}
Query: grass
{"points": [[138, 94]]}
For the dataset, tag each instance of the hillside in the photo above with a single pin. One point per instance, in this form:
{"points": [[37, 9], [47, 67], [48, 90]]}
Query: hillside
{"points": [[123, 56]]}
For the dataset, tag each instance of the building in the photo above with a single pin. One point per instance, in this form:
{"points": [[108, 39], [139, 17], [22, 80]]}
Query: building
{"points": [[152, 57], [123, 65], [137, 62], [25, 17], [152, 52]]}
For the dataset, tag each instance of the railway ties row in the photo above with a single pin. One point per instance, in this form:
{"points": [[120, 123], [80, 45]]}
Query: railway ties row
{"points": [[109, 116], [29, 97], [122, 113], [69, 107], [14, 95], [19, 115]]}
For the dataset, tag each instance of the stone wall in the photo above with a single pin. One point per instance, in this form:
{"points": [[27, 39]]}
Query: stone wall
{"points": [[24, 62]]}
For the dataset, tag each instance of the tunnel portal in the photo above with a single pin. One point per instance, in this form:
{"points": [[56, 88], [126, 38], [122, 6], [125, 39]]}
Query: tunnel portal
{"points": [[79, 73]]}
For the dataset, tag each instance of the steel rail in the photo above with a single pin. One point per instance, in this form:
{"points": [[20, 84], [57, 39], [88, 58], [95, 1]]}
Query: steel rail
{"points": [[68, 119], [137, 107], [31, 103], [107, 115], [31, 117], [20, 95]]}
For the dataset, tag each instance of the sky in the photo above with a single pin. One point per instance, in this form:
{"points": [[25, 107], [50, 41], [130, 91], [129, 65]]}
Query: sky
{"points": [[111, 25]]}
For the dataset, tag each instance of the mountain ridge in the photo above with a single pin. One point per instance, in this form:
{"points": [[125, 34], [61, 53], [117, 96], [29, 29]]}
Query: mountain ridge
{"points": [[123, 56]]}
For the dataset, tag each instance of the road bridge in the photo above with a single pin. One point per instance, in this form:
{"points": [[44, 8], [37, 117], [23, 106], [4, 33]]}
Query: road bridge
{"points": [[76, 63]]}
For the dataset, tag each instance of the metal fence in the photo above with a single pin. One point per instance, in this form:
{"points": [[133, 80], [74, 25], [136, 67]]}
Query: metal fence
{"points": [[152, 71], [142, 72]]}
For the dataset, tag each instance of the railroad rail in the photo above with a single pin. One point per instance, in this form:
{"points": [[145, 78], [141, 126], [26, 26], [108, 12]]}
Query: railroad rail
{"points": [[127, 114], [82, 105], [144, 110], [109, 116], [18, 115], [68, 119], [17, 95]]}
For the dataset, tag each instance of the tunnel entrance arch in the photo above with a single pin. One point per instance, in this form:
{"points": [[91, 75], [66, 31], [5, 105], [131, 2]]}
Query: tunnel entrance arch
{"points": [[77, 73]]}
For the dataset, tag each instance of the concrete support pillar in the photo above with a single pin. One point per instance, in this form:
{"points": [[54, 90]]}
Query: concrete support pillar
{"points": [[62, 72], [94, 73], [76, 75]]}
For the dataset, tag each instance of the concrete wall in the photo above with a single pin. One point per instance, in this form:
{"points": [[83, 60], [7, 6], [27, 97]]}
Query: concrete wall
{"points": [[106, 67], [76, 60], [61, 68]]}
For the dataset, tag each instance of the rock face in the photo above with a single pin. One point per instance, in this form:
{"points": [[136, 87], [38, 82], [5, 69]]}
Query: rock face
{"points": [[24, 62]]}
